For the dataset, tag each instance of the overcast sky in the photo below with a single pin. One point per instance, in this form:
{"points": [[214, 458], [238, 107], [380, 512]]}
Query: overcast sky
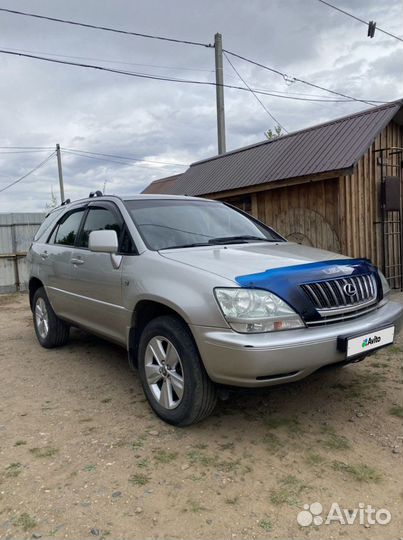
{"points": [[42, 104]]}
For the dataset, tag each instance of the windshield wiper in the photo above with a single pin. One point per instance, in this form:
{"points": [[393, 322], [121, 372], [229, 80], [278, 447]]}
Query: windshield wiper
{"points": [[180, 246], [236, 239]]}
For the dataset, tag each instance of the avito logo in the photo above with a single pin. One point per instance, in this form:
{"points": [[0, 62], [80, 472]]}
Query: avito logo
{"points": [[370, 341]]}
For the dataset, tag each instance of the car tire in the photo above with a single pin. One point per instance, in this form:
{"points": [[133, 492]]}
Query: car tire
{"points": [[173, 377], [50, 330]]}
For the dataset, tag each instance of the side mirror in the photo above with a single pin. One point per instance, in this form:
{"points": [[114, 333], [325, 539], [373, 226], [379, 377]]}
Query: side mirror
{"points": [[103, 241]]}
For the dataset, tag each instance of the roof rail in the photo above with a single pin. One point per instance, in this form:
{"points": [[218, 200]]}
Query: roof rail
{"points": [[95, 194], [67, 201]]}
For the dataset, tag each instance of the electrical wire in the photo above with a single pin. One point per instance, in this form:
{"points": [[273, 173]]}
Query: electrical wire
{"points": [[163, 38], [296, 79], [254, 95], [21, 151], [360, 20], [109, 160], [174, 68], [129, 158], [189, 81], [106, 28], [28, 173]]}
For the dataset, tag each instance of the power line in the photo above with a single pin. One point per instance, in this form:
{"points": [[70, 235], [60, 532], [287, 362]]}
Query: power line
{"points": [[254, 95], [175, 68], [360, 20], [108, 160], [26, 147], [187, 81], [129, 158], [28, 173], [295, 79], [2, 152], [106, 28]]}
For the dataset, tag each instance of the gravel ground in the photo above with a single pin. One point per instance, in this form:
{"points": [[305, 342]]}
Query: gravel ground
{"points": [[83, 456]]}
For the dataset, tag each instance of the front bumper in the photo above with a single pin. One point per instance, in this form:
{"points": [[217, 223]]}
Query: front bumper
{"points": [[254, 360]]}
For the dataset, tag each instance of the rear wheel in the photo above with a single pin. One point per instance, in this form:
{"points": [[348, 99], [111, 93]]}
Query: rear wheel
{"points": [[50, 330], [173, 377]]}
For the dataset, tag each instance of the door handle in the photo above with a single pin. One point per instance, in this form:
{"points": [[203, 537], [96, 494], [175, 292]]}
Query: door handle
{"points": [[77, 261], [44, 255]]}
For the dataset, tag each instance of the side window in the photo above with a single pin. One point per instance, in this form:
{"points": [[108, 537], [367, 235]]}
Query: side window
{"points": [[66, 231], [50, 220], [126, 246], [99, 219]]}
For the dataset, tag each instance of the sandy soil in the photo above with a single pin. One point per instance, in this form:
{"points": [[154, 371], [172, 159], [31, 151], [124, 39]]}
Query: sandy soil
{"points": [[83, 456]]}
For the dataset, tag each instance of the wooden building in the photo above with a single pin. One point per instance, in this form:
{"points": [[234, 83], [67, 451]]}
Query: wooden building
{"points": [[336, 186]]}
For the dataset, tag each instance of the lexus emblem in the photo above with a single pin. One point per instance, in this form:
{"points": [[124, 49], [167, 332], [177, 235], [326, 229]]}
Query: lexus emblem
{"points": [[349, 289]]}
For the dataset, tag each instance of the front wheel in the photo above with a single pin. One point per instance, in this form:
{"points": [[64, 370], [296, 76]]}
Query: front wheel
{"points": [[50, 330], [173, 377]]}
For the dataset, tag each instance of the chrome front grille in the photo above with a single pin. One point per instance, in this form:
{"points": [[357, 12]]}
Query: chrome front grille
{"points": [[341, 296]]}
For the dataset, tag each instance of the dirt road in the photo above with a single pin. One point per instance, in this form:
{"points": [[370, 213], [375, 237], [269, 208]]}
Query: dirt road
{"points": [[83, 456]]}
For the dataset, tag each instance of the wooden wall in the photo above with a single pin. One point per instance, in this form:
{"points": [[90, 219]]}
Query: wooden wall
{"points": [[305, 213], [359, 202]]}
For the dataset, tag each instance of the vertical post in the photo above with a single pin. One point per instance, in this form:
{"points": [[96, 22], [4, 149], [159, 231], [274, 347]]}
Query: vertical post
{"points": [[219, 79], [59, 167]]}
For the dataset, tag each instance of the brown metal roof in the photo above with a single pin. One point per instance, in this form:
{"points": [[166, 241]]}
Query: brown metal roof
{"points": [[333, 146], [163, 185]]}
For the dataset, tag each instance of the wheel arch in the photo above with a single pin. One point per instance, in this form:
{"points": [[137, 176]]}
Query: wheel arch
{"points": [[33, 286], [145, 311]]}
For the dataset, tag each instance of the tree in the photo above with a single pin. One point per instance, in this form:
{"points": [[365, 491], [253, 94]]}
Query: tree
{"points": [[270, 134], [53, 200]]}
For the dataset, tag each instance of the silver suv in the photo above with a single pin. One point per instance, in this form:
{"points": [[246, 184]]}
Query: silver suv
{"points": [[203, 296]]}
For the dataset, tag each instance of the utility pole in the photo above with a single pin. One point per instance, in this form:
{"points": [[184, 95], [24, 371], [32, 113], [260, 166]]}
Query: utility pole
{"points": [[219, 79], [59, 167]]}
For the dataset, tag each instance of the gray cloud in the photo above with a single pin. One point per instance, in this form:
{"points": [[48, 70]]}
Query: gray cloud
{"points": [[41, 104]]}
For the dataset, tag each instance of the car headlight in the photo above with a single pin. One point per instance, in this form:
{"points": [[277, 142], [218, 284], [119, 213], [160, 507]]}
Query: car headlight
{"points": [[385, 284], [256, 310]]}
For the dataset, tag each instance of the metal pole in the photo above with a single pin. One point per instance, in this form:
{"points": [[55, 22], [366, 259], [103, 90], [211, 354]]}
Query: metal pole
{"points": [[219, 79], [59, 167]]}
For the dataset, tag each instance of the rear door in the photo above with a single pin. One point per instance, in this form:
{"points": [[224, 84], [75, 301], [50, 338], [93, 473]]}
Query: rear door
{"points": [[55, 262], [96, 283]]}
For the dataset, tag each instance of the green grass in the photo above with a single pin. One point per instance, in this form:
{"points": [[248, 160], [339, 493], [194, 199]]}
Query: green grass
{"points": [[290, 423], [232, 500], [13, 470], [194, 506], [25, 522], [45, 452], [314, 459], [197, 457], [396, 410], [367, 386], [143, 463], [200, 446], [163, 456], [333, 441], [359, 472], [265, 525], [139, 479], [272, 443], [138, 443], [289, 491], [89, 468], [20, 443]]}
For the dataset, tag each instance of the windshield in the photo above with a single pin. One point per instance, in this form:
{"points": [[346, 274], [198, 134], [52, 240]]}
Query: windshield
{"points": [[179, 223]]}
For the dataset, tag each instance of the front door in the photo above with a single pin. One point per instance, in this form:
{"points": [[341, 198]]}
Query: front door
{"points": [[96, 283]]}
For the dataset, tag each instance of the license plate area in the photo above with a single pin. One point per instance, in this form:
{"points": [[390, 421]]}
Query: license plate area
{"points": [[361, 344]]}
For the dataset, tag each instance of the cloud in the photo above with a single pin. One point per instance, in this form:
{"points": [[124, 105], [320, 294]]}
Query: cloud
{"points": [[43, 104]]}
